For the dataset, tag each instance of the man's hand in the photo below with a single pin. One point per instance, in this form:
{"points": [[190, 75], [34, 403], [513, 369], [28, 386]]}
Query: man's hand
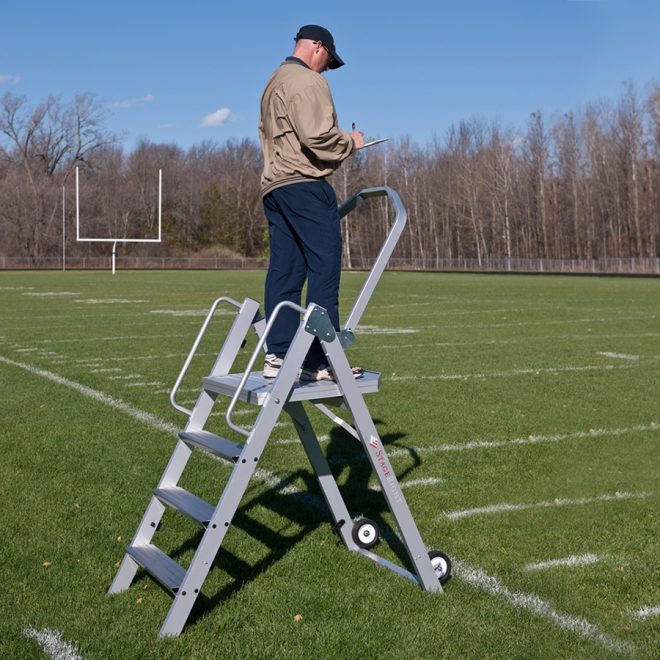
{"points": [[358, 138]]}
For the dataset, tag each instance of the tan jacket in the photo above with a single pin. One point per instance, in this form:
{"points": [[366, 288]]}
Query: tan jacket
{"points": [[298, 128]]}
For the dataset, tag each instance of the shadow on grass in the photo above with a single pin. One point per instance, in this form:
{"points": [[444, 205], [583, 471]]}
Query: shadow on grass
{"points": [[305, 510]]}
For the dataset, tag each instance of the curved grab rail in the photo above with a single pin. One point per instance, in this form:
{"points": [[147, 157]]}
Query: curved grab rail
{"points": [[200, 334], [257, 351], [400, 219]]}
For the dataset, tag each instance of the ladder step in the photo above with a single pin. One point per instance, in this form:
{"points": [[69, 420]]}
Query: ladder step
{"points": [[158, 564], [213, 444], [185, 502]]}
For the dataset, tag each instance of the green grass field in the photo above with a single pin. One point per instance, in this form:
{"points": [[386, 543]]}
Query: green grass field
{"points": [[521, 414]]}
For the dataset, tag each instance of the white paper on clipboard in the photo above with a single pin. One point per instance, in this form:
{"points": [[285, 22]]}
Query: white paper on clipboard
{"points": [[371, 144]]}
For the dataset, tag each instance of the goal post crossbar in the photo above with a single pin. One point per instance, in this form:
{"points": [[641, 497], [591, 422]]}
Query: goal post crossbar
{"points": [[89, 239]]}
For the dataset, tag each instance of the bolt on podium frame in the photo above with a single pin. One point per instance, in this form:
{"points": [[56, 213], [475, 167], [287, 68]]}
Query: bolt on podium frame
{"points": [[275, 395]]}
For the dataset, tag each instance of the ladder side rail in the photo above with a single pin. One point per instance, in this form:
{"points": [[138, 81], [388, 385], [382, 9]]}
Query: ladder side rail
{"points": [[400, 219], [193, 350], [236, 486], [381, 466], [255, 354]]}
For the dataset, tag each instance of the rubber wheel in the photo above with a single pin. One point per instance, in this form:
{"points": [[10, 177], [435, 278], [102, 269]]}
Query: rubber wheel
{"points": [[365, 533], [441, 565]]}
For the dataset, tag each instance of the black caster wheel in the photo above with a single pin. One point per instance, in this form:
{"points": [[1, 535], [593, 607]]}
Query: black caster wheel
{"points": [[365, 533], [441, 565]]}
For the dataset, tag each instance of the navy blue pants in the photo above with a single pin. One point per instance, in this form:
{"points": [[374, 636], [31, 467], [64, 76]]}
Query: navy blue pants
{"points": [[305, 244]]}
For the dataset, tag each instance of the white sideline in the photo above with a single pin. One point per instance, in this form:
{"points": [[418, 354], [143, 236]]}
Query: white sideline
{"points": [[97, 395], [557, 502], [574, 560], [52, 644], [476, 577]]}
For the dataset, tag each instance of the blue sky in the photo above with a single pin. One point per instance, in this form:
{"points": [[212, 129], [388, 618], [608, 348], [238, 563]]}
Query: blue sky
{"points": [[184, 72]]}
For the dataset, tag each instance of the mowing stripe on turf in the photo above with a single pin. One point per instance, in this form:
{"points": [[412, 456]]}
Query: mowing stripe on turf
{"points": [[474, 576], [575, 560], [505, 507], [52, 644], [542, 608]]}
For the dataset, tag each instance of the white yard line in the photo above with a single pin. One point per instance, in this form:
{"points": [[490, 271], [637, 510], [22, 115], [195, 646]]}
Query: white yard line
{"points": [[516, 372], [381, 330], [516, 324], [182, 390], [505, 507], [192, 312], [530, 602], [529, 440], [570, 562], [52, 644], [78, 340], [296, 441], [619, 356], [476, 577], [50, 294], [502, 342], [109, 301], [413, 483], [646, 612]]}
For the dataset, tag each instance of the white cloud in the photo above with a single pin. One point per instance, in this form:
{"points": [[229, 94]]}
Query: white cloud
{"points": [[8, 78], [217, 118], [131, 103]]}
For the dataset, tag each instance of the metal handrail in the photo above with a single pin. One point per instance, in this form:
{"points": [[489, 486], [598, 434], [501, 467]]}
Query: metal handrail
{"points": [[400, 219], [200, 334], [257, 351]]}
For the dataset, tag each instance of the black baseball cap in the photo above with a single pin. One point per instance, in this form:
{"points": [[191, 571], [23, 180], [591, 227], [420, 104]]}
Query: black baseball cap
{"points": [[318, 33]]}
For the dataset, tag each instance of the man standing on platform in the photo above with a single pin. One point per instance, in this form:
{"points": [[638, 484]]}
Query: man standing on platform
{"points": [[302, 144]]}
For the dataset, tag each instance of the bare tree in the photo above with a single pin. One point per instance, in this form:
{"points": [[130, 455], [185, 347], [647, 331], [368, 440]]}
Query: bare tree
{"points": [[43, 146]]}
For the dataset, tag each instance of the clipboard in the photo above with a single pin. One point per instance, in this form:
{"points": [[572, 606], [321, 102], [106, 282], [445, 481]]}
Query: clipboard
{"points": [[371, 144]]}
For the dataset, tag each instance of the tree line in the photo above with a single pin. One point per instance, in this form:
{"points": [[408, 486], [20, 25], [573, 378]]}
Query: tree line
{"points": [[584, 185]]}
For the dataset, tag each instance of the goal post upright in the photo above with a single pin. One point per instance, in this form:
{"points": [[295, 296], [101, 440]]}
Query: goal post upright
{"points": [[114, 241]]}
